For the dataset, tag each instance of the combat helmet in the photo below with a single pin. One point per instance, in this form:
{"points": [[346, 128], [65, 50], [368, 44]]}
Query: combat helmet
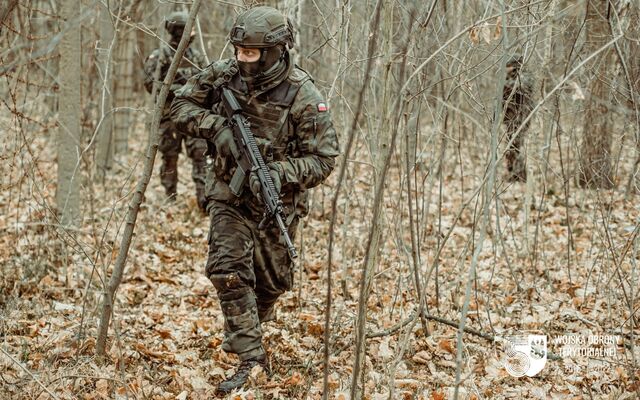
{"points": [[175, 22], [263, 28]]}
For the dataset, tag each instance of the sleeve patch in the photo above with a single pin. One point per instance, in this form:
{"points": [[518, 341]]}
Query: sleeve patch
{"points": [[322, 107]]}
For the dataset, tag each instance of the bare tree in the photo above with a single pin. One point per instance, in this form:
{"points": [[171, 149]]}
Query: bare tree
{"points": [[631, 65], [124, 88], [68, 189], [595, 157], [104, 140]]}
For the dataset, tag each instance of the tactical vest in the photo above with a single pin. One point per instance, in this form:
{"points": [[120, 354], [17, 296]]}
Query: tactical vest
{"points": [[271, 124], [186, 68], [269, 113]]}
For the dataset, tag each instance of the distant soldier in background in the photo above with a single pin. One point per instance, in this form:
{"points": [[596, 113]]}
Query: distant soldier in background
{"points": [[170, 138], [518, 103]]}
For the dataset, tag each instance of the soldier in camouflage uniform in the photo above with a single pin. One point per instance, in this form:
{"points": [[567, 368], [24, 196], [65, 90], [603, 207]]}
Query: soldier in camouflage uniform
{"points": [[518, 103], [250, 267], [170, 138]]}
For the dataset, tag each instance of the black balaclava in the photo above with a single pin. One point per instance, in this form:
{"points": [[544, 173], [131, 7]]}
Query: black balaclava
{"points": [[270, 66], [176, 32]]}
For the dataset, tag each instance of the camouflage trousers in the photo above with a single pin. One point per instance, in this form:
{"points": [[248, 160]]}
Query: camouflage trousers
{"points": [[170, 147], [516, 162], [250, 269]]}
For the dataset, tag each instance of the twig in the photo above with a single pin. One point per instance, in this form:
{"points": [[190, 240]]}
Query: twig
{"points": [[4, 13], [25, 369], [487, 336], [395, 328]]}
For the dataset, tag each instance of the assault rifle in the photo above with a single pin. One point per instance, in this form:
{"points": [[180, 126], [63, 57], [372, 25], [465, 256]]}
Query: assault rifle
{"points": [[250, 160]]}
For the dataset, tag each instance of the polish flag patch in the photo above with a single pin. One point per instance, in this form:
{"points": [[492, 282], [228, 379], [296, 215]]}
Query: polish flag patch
{"points": [[322, 107]]}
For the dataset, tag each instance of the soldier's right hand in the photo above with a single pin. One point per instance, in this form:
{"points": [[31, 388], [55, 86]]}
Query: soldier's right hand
{"points": [[225, 153], [210, 125], [225, 144]]}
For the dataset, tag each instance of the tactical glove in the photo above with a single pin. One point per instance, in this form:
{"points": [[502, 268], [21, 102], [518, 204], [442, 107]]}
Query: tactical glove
{"points": [[275, 170], [225, 144], [225, 153], [211, 125]]}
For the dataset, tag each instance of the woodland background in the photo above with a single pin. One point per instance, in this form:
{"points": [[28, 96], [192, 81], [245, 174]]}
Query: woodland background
{"points": [[429, 251]]}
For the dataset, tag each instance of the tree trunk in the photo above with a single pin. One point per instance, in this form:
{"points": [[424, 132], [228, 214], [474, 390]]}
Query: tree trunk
{"points": [[124, 91], [595, 158], [104, 140], [633, 64], [68, 188]]}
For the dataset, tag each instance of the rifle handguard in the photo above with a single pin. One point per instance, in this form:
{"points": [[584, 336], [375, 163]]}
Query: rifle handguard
{"points": [[250, 160]]}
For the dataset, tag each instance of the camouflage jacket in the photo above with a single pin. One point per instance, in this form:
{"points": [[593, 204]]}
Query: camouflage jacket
{"points": [[289, 119], [186, 69], [518, 97]]}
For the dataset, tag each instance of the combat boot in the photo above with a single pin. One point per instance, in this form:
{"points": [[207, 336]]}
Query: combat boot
{"points": [[239, 379]]}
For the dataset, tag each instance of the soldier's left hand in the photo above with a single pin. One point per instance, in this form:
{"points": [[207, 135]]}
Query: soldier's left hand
{"points": [[275, 170]]}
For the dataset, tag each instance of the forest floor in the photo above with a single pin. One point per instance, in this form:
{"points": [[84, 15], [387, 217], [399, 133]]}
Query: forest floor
{"points": [[165, 340]]}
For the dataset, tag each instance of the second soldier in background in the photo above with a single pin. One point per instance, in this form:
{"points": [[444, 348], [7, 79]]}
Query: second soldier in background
{"points": [[518, 103], [171, 139]]}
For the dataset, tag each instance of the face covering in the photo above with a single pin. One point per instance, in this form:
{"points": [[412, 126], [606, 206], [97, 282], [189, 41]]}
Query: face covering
{"points": [[269, 62]]}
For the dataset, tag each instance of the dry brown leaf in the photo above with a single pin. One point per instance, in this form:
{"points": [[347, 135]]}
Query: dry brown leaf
{"points": [[412, 384], [214, 343], [141, 348], [306, 317], [474, 35], [334, 379], [421, 357], [164, 333], [315, 329], [102, 388], [437, 395], [293, 380], [445, 344], [314, 266], [48, 281], [165, 279], [497, 32]]}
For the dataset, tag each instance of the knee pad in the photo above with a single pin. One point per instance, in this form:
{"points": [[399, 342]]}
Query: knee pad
{"points": [[230, 286]]}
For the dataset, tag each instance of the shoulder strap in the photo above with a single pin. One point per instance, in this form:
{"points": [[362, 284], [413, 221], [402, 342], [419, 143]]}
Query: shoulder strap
{"points": [[283, 94], [225, 77]]}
